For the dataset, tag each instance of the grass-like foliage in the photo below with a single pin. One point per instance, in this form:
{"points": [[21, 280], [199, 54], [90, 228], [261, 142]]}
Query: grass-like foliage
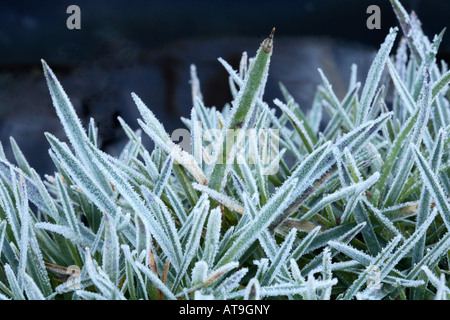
{"points": [[356, 210]]}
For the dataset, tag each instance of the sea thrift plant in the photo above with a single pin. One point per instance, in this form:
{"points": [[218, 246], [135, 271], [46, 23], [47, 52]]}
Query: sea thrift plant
{"points": [[358, 209]]}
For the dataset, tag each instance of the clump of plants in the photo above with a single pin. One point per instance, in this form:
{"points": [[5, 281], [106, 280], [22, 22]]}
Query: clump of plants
{"points": [[358, 209]]}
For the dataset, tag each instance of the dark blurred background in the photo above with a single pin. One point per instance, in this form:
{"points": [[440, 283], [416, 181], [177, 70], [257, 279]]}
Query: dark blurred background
{"points": [[148, 46]]}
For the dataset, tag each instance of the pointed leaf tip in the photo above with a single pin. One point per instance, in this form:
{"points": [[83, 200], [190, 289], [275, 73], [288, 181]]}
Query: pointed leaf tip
{"points": [[267, 44]]}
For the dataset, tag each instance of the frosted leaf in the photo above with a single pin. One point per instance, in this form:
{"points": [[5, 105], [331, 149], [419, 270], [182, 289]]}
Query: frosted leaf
{"points": [[262, 265], [285, 134], [150, 119], [20, 158], [297, 124], [335, 101], [2, 153], [442, 290], [438, 283], [306, 174], [354, 189], [87, 295], [3, 297], [243, 65], [343, 177], [69, 213], [81, 177], [273, 166], [394, 258], [303, 247], [230, 283], [132, 269], [111, 251], [162, 214], [233, 74], [396, 281], [370, 294], [196, 138], [52, 210], [346, 265], [322, 159], [122, 221], [206, 116], [66, 232], [356, 139], [198, 295], [170, 248], [8, 207], [289, 289], [98, 237], [31, 289], [243, 105], [280, 259], [383, 219], [432, 256], [364, 276], [374, 76], [2, 234], [315, 114], [424, 209], [24, 215], [100, 279], [238, 184], [199, 213], [211, 243], [213, 276], [176, 204], [353, 167], [266, 240], [252, 291], [402, 91], [273, 209], [401, 59], [425, 109], [440, 85], [310, 284], [199, 272], [163, 177], [326, 273], [221, 198], [9, 172], [351, 252], [71, 123], [155, 130], [195, 86], [16, 289], [38, 268], [296, 274], [433, 185]]}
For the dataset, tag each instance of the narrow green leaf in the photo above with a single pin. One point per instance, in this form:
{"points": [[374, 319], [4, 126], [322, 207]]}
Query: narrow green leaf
{"points": [[433, 185], [244, 104], [71, 123], [374, 76], [111, 251]]}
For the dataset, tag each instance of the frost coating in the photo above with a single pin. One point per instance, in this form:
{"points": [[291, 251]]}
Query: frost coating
{"points": [[358, 210]]}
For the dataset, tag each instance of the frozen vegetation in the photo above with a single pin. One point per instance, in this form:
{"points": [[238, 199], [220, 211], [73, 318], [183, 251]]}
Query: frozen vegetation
{"points": [[356, 210]]}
